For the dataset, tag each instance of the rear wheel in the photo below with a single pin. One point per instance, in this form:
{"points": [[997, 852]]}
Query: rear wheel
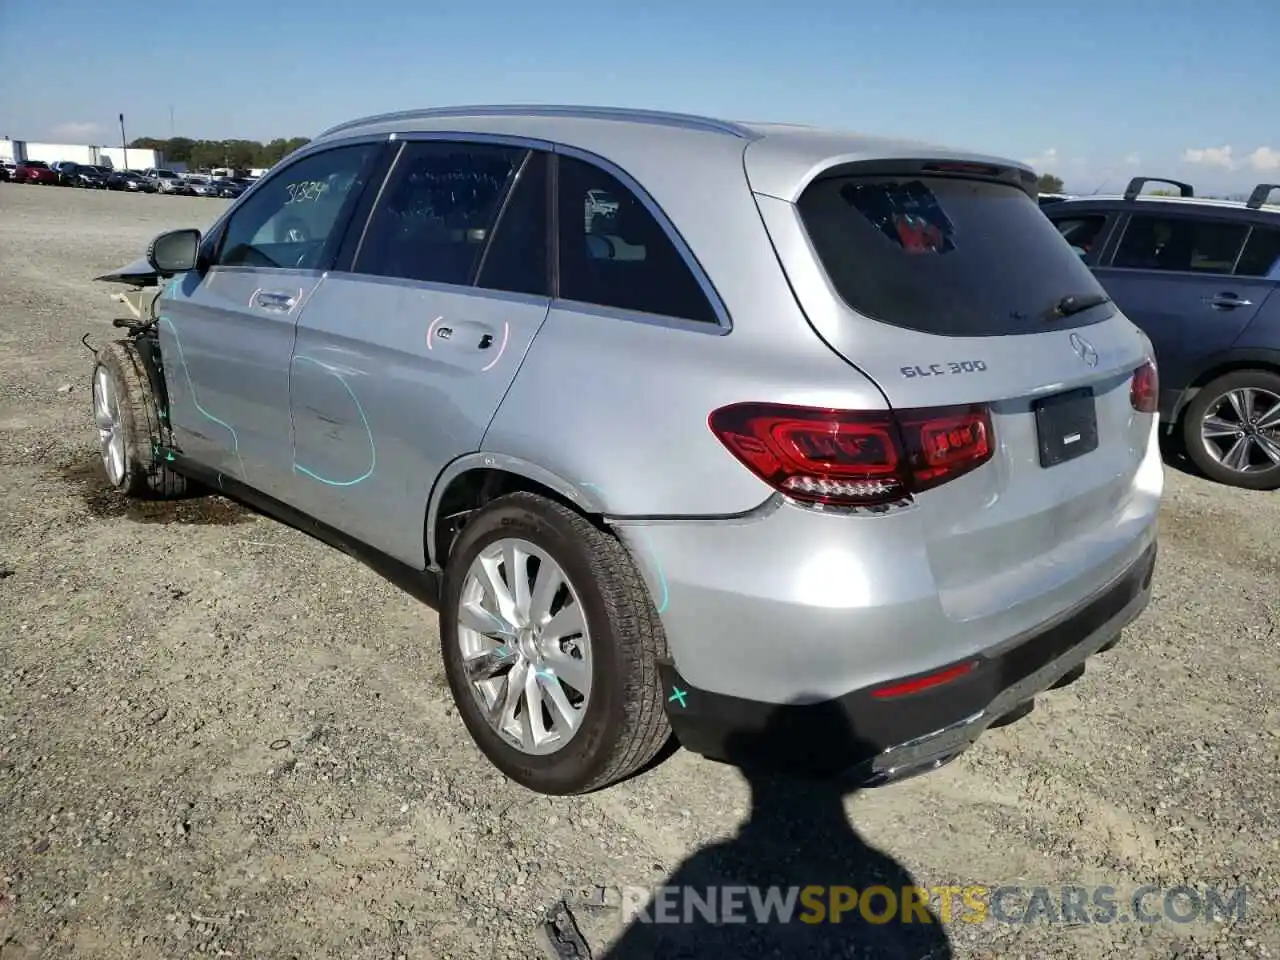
{"points": [[550, 642], [1232, 429], [130, 432]]}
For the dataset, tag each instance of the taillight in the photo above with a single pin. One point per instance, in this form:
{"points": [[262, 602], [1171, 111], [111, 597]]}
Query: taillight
{"points": [[1144, 388], [843, 457]]}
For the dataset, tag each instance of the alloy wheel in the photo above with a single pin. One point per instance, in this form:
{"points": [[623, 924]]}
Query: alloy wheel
{"points": [[1241, 430], [525, 645], [106, 413]]}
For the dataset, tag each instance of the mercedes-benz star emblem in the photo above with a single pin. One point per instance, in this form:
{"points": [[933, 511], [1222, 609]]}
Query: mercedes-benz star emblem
{"points": [[1084, 350]]}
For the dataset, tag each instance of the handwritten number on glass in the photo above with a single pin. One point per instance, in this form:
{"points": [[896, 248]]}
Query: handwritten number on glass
{"points": [[305, 191]]}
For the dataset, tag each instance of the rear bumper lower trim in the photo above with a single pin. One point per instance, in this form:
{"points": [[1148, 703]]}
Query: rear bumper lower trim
{"points": [[881, 741]]}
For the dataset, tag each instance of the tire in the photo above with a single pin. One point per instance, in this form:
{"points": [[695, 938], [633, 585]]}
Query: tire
{"points": [[623, 723], [1214, 400], [129, 426]]}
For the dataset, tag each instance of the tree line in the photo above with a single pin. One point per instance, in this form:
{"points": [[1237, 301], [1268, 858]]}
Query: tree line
{"points": [[202, 154], [1049, 183]]}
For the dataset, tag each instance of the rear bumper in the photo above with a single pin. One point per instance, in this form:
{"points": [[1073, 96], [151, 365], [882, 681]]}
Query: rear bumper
{"points": [[885, 740]]}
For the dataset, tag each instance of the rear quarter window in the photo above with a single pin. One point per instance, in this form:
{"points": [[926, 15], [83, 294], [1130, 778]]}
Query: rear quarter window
{"points": [[949, 256]]}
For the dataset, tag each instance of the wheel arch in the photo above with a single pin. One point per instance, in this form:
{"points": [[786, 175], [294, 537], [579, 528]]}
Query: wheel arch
{"points": [[474, 479], [1219, 365]]}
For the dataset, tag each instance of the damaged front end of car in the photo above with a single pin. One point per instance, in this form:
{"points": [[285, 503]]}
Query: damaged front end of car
{"points": [[169, 255]]}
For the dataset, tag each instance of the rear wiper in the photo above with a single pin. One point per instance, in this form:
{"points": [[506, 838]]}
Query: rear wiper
{"points": [[1076, 303]]}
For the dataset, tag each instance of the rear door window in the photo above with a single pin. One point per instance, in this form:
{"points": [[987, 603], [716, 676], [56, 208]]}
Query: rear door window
{"points": [[1180, 244], [1261, 256], [437, 210], [944, 255], [516, 259], [1082, 232]]}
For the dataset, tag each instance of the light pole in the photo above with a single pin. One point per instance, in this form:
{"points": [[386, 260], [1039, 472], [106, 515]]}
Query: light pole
{"points": [[124, 143]]}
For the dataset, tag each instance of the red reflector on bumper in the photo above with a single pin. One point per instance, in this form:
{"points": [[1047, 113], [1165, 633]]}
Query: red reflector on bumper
{"points": [[905, 687]]}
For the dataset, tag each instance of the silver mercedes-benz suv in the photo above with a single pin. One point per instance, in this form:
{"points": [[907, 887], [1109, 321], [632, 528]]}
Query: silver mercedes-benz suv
{"points": [[814, 448]]}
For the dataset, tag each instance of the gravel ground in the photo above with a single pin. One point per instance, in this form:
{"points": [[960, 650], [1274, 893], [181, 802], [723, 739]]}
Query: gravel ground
{"points": [[219, 737]]}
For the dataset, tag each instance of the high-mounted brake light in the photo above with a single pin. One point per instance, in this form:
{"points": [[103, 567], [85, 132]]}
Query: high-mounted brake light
{"points": [[847, 458], [1144, 388]]}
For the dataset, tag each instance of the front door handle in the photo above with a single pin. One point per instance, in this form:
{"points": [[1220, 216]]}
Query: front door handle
{"points": [[1227, 301], [274, 301]]}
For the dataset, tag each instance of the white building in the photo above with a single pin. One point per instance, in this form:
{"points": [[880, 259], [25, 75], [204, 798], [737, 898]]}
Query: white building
{"points": [[114, 157]]}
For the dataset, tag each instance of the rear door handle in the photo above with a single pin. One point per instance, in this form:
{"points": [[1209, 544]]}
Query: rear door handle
{"points": [[274, 301], [1227, 301]]}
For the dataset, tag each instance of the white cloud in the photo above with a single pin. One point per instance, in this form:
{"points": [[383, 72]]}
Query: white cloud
{"points": [[75, 130], [1264, 159], [1211, 157], [1132, 160], [1043, 162]]}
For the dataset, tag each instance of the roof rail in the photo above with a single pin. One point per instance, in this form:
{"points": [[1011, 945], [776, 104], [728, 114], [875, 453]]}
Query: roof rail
{"points": [[1137, 183], [1260, 194], [687, 121]]}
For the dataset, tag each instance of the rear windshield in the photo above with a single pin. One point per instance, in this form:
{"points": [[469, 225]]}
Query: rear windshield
{"points": [[949, 256]]}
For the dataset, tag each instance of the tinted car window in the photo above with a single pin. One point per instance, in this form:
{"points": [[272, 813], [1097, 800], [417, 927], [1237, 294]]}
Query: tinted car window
{"points": [[1261, 257], [437, 211], [615, 254], [1081, 232], [290, 219], [517, 256], [950, 256], [1184, 244]]}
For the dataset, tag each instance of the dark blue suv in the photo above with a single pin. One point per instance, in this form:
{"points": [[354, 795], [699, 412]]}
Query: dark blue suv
{"points": [[1200, 277]]}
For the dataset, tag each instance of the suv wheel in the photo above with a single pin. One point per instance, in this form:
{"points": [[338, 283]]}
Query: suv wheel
{"points": [[1232, 429], [550, 642], [129, 428]]}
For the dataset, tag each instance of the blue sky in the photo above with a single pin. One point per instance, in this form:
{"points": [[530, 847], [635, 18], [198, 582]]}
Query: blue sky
{"points": [[1093, 93]]}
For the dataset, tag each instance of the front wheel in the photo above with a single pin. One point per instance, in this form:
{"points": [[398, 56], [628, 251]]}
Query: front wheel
{"points": [[127, 416], [550, 642], [1232, 429]]}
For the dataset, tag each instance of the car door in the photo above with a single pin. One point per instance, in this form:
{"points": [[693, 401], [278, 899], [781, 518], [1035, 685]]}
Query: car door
{"points": [[403, 357], [227, 329], [1172, 275]]}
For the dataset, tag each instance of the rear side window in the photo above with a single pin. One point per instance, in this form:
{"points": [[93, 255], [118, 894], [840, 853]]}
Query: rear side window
{"points": [[437, 210], [614, 253], [1182, 244], [1261, 257], [949, 256]]}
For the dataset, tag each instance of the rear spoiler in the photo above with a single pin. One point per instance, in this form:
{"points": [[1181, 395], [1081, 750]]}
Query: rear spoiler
{"points": [[1260, 194]]}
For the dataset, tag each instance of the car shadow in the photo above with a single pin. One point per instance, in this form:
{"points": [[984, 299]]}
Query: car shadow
{"points": [[797, 835]]}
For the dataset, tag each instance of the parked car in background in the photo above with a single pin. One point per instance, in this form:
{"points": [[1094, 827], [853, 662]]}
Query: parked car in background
{"points": [[900, 479], [167, 181], [1048, 199], [35, 171], [83, 175], [228, 188], [131, 180], [1200, 277], [202, 185], [6, 171]]}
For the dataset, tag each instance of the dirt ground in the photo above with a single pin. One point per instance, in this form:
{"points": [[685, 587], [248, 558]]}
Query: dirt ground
{"points": [[221, 738]]}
